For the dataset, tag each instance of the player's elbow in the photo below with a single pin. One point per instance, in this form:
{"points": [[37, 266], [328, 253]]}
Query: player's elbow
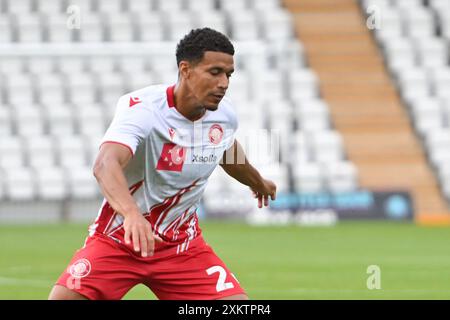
{"points": [[99, 168]]}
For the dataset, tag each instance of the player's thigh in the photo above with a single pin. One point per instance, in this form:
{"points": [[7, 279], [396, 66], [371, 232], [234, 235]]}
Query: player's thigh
{"points": [[102, 270], [62, 293], [197, 274]]}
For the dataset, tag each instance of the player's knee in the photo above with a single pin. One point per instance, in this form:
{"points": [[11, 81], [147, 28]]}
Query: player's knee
{"points": [[62, 293]]}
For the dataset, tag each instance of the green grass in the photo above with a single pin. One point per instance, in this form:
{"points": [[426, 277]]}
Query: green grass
{"points": [[270, 262]]}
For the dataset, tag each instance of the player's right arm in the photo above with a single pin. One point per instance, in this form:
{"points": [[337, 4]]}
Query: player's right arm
{"points": [[129, 128], [108, 170]]}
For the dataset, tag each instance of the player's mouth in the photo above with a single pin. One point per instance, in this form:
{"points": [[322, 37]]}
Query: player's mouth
{"points": [[218, 97]]}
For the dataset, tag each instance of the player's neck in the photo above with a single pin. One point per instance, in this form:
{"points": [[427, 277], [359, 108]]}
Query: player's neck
{"points": [[186, 104]]}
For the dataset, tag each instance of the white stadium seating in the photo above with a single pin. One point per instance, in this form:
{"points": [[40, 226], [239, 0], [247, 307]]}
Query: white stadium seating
{"points": [[416, 45], [59, 87]]}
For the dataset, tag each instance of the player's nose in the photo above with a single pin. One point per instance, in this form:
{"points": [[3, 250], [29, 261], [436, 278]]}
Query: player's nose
{"points": [[223, 82]]}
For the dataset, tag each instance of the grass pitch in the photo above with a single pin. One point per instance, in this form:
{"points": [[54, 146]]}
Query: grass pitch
{"points": [[270, 262]]}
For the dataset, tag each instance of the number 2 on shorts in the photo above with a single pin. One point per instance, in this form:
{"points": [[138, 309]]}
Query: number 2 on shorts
{"points": [[221, 284]]}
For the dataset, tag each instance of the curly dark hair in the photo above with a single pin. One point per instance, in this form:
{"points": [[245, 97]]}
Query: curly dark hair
{"points": [[193, 46]]}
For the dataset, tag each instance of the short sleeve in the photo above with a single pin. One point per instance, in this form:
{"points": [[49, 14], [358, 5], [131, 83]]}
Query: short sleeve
{"points": [[131, 125]]}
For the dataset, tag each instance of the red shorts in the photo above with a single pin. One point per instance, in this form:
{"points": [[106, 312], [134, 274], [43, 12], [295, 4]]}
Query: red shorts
{"points": [[105, 269]]}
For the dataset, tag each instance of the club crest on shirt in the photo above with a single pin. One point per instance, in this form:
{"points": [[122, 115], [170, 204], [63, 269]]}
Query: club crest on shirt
{"points": [[80, 268], [215, 133]]}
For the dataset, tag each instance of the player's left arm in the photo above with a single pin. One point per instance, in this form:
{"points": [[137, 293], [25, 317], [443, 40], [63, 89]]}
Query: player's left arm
{"points": [[236, 164]]}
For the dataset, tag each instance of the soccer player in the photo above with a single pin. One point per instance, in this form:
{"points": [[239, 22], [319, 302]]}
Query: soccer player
{"points": [[152, 167]]}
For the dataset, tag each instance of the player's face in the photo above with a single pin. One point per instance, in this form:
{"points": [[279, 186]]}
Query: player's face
{"points": [[209, 78]]}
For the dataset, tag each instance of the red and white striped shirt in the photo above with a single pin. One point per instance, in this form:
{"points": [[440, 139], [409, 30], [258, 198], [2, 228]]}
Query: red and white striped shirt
{"points": [[172, 160]]}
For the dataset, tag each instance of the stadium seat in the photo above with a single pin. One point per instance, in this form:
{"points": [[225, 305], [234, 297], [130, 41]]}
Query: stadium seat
{"points": [[308, 177], [440, 79], [53, 7], [152, 26], [390, 23], [28, 120], [327, 146], [432, 52], [60, 121], [303, 83], [110, 84], [201, 5], [244, 25], [40, 151], [11, 152], [21, 7], [312, 115], [30, 28], [90, 120], [41, 65], [179, 23], [135, 6], [19, 184], [269, 85], [341, 177], [110, 6], [83, 88], [11, 65], [301, 152], [6, 35], [265, 5], [101, 64], [419, 21], [82, 183], [173, 5], [427, 115], [92, 147], [287, 56], [50, 89], [57, 28], [414, 81], [277, 24], [70, 64], [85, 6], [70, 151], [439, 156], [20, 89], [51, 183], [5, 121], [120, 27], [239, 87], [233, 5], [278, 173], [93, 28], [213, 19]]}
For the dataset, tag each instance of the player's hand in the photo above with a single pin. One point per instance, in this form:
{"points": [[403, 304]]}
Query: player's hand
{"points": [[138, 231], [263, 191]]}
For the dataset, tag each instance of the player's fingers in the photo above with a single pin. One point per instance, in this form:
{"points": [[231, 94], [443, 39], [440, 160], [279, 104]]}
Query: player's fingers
{"points": [[273, 196], [127, 236], [144, 243], [259, 201], [157, 238], [266, 201], [135, 239], [150, 242]]}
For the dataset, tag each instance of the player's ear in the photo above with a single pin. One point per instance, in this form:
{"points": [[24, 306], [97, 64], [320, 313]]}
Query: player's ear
{"points": [[184, 69]]}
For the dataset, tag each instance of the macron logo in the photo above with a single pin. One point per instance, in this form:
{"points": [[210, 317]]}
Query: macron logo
{"points": [[134, 101]]}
